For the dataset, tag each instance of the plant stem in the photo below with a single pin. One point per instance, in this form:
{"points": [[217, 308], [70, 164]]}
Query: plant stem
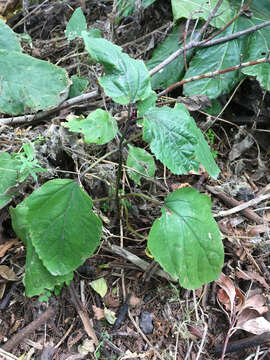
{"points": [[120, 162]]}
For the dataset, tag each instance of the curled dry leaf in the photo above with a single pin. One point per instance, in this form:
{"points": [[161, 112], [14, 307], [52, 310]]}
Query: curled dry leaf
{"points": [[229, 295], [98, 312], [250, 275], [7, 273]]}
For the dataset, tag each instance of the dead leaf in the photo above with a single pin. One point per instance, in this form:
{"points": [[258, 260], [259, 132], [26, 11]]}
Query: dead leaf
{"points": [[7, 273], [4, 248], [250, 275], [111, 301], [256, 302], [196, 102], [258, 229], [256, 326], [229, 295], [98, 312], [86, 347]]}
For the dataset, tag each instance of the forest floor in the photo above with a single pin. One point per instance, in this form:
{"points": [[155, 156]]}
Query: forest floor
{"points": [[164, 321]]}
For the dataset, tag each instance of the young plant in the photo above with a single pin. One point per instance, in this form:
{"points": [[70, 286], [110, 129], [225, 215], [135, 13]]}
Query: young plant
{"points": [[56, 222]]}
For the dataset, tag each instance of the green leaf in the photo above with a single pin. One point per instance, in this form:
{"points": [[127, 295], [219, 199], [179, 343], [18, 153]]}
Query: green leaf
{"points": [[78, 87], [76, 24], [213, 59], [100, 286], [202, 151], [126, 80], [141, 161], [146, 104], [173, 71], [9, 170], [19, 221], [257, 44], [37, 278], [170, 134], [99, 127], [29, 84], [8, 39], [186, 240], [202, 9], [62, 226]]}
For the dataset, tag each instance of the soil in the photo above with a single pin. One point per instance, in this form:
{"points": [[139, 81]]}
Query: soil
{"points": [[177, 323]]}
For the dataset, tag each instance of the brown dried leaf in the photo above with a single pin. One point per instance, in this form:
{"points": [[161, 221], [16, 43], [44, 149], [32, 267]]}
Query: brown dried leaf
{"points": [[226, 295], [250, 275], [258, 229], [256, 326], [4, 248], [7, 273], [98, 312], [256, 302], [229, 295]]}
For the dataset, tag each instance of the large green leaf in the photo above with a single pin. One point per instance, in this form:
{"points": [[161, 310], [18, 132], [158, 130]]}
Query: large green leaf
{"points": [[186, 240], [170, 134], [99, 127], [8, 39], [63, 228], [213, 59], [37, 278], [76, 24], [173, 71], [28, 84], [141, 161], [202, 151], [126, 80], [257, 44], [202, 9], [9, 171]]}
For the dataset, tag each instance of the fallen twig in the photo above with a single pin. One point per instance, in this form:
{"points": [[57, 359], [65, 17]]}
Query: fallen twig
{"points": [[23, 333], [137, 261], [237, 206], [83, 314]]}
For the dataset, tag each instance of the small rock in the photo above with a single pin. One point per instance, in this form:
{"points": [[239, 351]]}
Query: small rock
{"points": [[146, 322]]}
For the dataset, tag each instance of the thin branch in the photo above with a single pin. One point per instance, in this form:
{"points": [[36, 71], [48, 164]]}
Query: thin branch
{"points": [[214, 73], [241, 10], [26, 331], [42, 114], [233, 36], [201, 44], [210, 17]]}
